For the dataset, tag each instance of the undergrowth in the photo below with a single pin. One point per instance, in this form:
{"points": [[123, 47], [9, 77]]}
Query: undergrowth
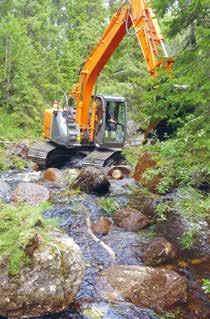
{"points": [[10, 130], [183, 163], [18, 225], [108, 205], [10, 161]]}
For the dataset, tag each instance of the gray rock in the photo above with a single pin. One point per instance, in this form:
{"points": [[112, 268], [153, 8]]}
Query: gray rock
{"points": [[158, 251], [4, 188], [130, 219], [48, 284], [157, 289], [30, 193]]}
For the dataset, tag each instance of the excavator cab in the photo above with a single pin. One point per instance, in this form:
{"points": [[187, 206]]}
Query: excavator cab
{"points": [[110, 122]]}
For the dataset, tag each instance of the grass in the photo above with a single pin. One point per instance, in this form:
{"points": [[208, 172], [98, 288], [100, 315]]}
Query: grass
{"points": [[161, 211], [19, 224], [188, 237]]}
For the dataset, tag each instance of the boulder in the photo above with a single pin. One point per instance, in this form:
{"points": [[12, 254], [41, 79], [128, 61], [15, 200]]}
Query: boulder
{"points": [[52, 175], [102, 227], [48, 284], [145, 162], [157, 289], [4, 188], [158, 251], [91, 180], [30, 193], [130, 219], [20, 150]]}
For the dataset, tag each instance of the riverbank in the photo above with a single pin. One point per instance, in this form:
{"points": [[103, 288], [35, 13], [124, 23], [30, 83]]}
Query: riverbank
{"points": [[71, 209]]}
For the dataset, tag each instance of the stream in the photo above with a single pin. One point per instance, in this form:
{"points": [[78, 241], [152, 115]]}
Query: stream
{"points": [[128, 247]]}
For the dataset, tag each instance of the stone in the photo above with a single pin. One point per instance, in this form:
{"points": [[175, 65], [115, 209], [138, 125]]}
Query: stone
{"points": [[130, 219], [102, 227], [53, 175], [20, 150], [146, 162], [159, 251], [119, 172], [30, 193], [156, 289], [91, 180], [48, 284], [4, 188]]}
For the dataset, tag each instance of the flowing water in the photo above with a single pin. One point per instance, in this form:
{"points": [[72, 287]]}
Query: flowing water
{"points": [[128, 247]]}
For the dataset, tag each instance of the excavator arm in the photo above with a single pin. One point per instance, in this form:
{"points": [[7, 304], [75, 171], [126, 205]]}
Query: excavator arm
{"points": [[132, 13]]}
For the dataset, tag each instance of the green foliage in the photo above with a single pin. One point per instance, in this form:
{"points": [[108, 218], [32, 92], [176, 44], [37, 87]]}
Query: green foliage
{"points": [[108, 205], [188, 238], [148, 233], [10, 130], [132, 154], [18, 162], [195, 207], [161, 211], [42, 46], [206, 286], [8, 161], [18, 225], [192, 204]]}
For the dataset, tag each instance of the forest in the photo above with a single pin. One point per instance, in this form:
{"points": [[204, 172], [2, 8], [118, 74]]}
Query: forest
{"points": [[43, 45]]}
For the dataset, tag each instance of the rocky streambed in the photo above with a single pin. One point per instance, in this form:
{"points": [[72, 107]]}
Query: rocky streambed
{"points": [[134, 267]]}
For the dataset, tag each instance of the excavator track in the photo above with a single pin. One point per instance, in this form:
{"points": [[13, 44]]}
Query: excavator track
{"points": [[38, 153], [102, 158], [47, 154]]}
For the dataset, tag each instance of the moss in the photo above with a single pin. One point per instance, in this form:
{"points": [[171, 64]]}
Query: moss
{"points": [[19, 225]]}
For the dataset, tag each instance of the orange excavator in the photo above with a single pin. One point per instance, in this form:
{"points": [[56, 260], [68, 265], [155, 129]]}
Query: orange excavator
{"points": [[94, 125]]}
